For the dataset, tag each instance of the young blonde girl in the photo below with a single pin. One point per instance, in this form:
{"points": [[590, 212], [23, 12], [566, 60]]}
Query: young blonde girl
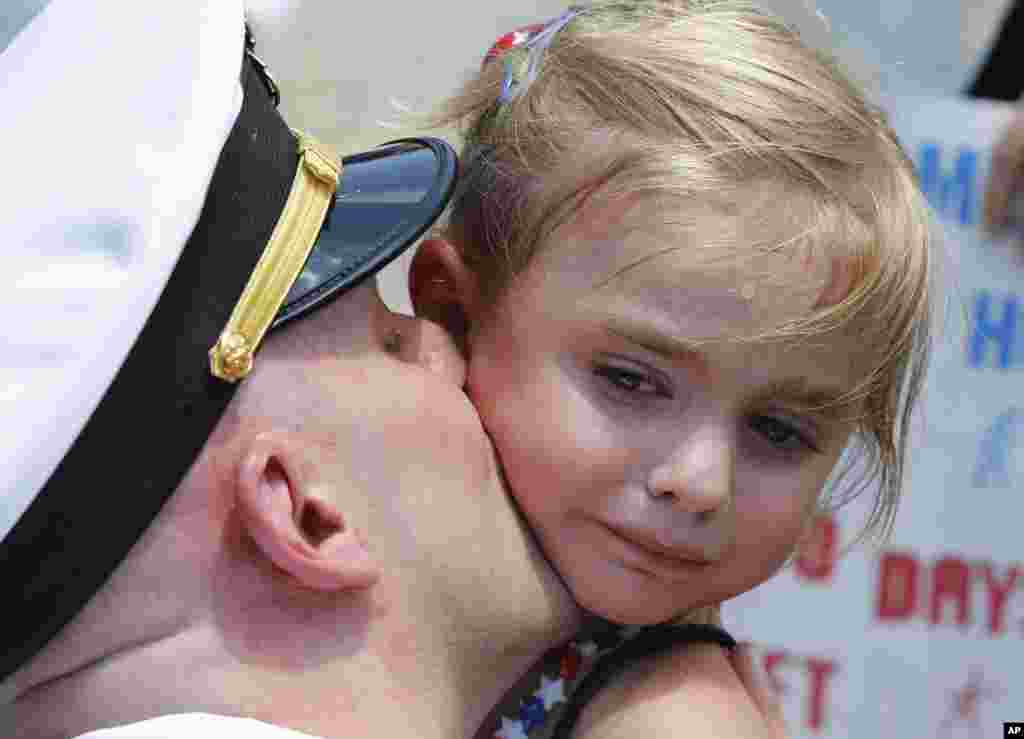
{"points": [[689, 266]]}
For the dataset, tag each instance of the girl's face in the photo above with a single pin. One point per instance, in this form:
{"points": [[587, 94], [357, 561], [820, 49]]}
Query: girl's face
{"points": [[658, 476]]}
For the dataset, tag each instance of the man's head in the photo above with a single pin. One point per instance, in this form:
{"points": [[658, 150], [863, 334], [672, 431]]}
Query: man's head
{"points": [[312, 545], [216, 224], [345, 518]]}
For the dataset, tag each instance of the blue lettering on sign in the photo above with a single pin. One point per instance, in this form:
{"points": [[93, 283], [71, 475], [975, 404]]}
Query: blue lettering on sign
{"points": [[952, 193], [992, 466], [993, 331]]}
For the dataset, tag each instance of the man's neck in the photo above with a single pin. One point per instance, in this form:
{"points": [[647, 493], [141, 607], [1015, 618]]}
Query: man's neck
{"points": [[426, 652], [401, 679]]}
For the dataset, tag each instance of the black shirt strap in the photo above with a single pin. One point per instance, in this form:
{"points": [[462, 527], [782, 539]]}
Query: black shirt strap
{"points": [[650, 641]]}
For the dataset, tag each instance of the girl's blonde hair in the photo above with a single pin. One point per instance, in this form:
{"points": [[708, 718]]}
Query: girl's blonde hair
{"points": [[709, 101]]}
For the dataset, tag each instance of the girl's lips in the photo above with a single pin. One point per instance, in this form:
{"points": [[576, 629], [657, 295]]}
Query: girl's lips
{"points": [[644, 554]]}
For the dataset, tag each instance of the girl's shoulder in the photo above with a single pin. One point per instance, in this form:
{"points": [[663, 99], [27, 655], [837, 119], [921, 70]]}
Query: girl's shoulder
{"points": [[660, 679], [612, 678], [687, 690]]}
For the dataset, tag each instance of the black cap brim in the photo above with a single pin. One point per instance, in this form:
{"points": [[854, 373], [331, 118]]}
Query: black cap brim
{"points": [[386, 199]]}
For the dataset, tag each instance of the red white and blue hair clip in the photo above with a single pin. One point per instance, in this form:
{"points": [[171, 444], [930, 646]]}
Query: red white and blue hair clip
{"points": [[522, 50]]}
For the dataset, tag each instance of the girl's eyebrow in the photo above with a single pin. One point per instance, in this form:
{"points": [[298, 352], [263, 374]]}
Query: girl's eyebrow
{"points": [[823, 400], [653, 339], [828, 402]]}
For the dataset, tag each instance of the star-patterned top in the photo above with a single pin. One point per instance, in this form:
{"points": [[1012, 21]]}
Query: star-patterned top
{"points": [[536, 706], [532, 709]]}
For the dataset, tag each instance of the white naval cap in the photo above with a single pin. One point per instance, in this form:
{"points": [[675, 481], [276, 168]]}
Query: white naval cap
{"points": [[108, 139], [150, 184]]}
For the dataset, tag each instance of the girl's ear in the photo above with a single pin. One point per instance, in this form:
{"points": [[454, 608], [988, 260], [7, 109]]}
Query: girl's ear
{"points": [[303, 534], [443, 289]]}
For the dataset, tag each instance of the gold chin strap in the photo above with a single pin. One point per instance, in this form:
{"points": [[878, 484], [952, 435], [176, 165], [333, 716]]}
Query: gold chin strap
{"points": [[316, 180]]}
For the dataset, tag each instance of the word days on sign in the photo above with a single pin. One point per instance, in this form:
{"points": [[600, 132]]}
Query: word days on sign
{"points": [[942, 591]]}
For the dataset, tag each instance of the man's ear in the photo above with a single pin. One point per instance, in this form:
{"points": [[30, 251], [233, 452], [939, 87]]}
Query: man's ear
{"points": [[443, 289], [303, 534]]}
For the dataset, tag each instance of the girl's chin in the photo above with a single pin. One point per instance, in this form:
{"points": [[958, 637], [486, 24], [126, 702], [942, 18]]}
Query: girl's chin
{"points": [[637, 607]]}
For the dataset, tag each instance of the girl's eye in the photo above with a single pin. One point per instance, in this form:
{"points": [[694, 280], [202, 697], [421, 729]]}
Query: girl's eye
{"points": [[780, 434], [628, 380]]}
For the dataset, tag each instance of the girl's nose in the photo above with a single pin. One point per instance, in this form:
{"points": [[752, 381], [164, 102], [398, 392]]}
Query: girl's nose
{"points": [[698, 476]]}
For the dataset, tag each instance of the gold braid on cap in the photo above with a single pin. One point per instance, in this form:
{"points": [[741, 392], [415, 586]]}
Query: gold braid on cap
{"points": [[296, 231]]}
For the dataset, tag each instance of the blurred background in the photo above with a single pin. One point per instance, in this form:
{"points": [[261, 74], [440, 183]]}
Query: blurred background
{"points": [[349, 68], [358, 74]]}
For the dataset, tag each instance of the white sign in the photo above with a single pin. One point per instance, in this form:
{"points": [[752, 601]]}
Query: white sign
{"points": [[923, 638]]}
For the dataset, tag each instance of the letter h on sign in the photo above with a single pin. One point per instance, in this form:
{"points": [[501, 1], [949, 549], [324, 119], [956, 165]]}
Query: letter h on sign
{"points": [[953, 194], [988, 329]]}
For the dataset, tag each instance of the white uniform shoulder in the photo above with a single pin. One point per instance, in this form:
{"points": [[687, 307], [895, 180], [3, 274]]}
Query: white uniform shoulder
{"points": [[197, 726]]}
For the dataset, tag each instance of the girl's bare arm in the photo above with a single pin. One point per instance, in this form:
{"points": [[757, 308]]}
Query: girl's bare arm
{"points": [[693, 692]]}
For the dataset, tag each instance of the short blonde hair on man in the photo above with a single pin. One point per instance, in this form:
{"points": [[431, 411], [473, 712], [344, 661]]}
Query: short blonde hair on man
{"points": [[709, 101]]}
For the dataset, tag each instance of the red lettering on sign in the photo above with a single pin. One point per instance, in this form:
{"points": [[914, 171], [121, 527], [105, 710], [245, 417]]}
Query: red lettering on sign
{"points": [[897, 587], [817, 558], [952, 582], [819, 672], [997, 595], [771, 662], [951, 578]]}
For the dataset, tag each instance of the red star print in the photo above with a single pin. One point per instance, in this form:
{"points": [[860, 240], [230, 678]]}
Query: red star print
{"points": [[570, 663]]}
